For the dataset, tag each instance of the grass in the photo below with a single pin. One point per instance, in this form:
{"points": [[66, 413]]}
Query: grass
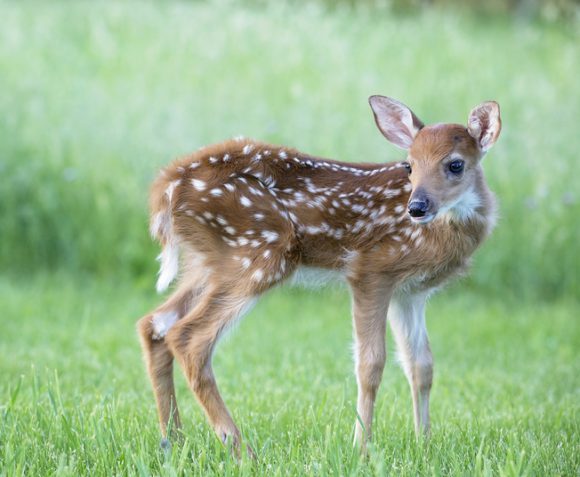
{"points": [[96, 96], [76, 401]]}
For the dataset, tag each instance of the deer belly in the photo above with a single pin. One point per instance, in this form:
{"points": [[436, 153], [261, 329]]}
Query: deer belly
{"points": [[315, 277]]}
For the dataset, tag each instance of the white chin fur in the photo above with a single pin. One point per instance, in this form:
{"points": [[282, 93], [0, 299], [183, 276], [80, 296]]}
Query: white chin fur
{"points": [[464, 208]]}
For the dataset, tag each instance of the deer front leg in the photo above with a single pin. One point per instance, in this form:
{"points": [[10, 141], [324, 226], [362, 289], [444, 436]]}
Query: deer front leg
{"points": [[407, 319], [370, 304]]}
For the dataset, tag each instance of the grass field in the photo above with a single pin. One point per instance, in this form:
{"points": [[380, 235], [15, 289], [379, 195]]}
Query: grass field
{"points": [[76, 399], [96, 96]]}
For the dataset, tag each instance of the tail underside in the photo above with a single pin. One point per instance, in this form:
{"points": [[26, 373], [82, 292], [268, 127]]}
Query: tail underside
{"points": [[161, 228]]}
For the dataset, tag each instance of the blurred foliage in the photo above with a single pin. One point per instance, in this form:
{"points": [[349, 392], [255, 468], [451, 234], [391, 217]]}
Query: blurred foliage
{"points": [[548, 10], [95, 97]]}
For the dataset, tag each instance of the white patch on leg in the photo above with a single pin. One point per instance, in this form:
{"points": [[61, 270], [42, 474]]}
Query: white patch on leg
{"points": [[162, 323], [407, 318]]}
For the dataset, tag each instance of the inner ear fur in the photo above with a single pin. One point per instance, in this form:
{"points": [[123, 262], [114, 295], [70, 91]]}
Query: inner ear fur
{"points": [[484, 124], [395, 120]]}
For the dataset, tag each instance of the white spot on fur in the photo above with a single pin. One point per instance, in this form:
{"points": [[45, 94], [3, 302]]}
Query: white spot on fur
{"points": [[198, 184], [258, 275], [245, 201], [270, 236], [416, 233], [216, 192], [248, 148], [246, 262], [391, 192], [255, 191], [170, 188], [312, 230]]}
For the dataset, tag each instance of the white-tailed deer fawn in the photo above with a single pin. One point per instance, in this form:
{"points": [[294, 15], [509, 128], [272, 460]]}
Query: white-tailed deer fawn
{"points": [[237, 218]]}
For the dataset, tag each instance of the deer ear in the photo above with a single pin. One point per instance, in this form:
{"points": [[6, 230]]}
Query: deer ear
{"points": [[484, 124], [395, 120]]}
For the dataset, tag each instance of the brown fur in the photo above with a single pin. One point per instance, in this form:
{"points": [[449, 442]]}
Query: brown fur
{"points": [[245, 215]]}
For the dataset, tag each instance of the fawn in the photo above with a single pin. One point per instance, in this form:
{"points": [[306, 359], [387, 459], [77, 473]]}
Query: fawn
{"points": [[237, 218]]}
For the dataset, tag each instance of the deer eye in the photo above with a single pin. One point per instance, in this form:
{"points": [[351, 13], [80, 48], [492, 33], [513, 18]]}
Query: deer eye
{"points": [[456, 166], [407, 166]]}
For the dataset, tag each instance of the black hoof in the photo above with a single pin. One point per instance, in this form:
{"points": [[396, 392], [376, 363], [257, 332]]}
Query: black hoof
{"points": [[165, 444]]}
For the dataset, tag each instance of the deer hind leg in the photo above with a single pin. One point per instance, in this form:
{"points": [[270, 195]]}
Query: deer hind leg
{"points": [[159, 358], [192, 341], [407, 319]]}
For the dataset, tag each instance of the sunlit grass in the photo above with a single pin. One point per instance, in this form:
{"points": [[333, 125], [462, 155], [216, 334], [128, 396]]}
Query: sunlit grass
{"points": [[75, 398]]}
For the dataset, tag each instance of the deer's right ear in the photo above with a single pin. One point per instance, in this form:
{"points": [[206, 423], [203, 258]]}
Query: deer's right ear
{"points": [[484, 124], [395, 120]]}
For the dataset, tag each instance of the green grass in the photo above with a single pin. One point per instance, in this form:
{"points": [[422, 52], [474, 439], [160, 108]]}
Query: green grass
{"points": [[75, 399], [96, 96]]}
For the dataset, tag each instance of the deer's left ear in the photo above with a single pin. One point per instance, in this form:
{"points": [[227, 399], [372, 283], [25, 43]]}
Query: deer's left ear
{"points": [[484, 124]]}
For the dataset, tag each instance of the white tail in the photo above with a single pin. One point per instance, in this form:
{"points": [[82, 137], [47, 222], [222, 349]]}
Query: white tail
{"points": [[243, 216]]}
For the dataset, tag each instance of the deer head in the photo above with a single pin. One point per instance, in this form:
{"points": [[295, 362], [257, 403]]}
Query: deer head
{"points": [[443, 159]]}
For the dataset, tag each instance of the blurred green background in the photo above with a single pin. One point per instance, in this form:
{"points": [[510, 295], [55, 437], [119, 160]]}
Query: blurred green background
{"points": [[95, 97]]}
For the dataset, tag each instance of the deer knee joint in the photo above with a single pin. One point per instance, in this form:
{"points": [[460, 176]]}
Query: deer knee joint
{"points": [[424, 375], [370, 372]]}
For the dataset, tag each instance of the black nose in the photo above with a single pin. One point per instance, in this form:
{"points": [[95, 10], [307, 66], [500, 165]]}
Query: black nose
{"points": [[418, 207]]}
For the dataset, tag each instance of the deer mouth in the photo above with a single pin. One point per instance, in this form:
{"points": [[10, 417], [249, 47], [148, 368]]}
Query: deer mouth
{"points": [[425, 219]]}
